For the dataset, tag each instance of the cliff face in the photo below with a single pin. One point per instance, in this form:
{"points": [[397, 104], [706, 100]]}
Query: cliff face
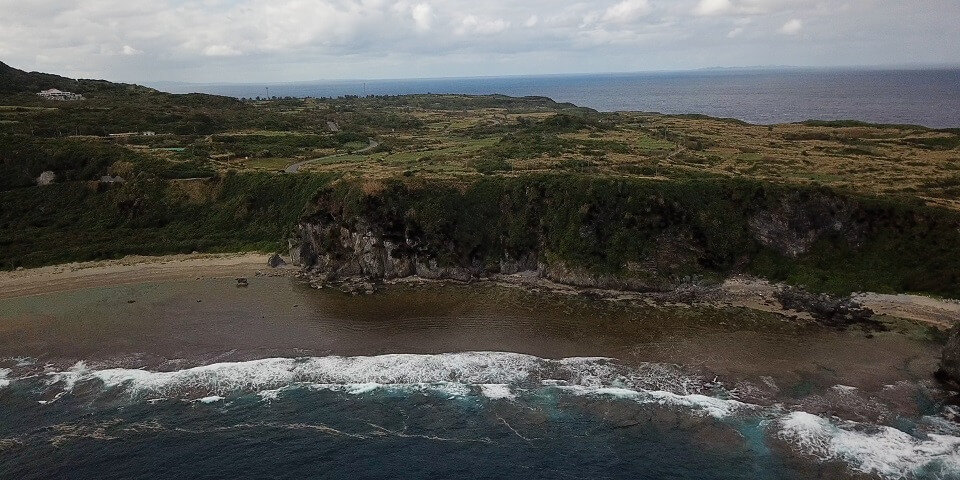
{"points": [[336, 251], [630, 236]]}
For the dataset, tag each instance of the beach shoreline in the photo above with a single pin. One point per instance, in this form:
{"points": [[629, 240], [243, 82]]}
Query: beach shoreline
{"points": [[133, 270], [736, 292]]}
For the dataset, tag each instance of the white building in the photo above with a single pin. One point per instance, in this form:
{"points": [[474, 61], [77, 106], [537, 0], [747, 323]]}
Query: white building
{"points": [[54, 94]]}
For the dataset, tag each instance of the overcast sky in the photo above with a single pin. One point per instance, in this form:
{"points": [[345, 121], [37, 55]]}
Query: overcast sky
{"points": [[293, 40]]}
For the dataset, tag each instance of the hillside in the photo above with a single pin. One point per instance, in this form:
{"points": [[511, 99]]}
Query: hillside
{"points": [[635, 200]]}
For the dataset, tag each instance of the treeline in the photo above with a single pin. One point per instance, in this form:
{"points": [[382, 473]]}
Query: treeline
{"points": [[24, 158], [74, 222]]}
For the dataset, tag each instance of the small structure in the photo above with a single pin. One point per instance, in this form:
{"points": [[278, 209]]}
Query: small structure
{"points": [[148, 134], [109, 179], [58, 95], [46, 178]]}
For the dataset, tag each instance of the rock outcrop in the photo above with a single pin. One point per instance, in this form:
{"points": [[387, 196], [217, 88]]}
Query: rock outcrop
{"points": [[795, 222], [838, 312], [949, 372], [276, 261]]}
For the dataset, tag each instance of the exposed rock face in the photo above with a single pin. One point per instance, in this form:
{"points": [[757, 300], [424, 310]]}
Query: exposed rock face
{"points": [[335, 251], [949, 372], [796, 222], [47, 178]]}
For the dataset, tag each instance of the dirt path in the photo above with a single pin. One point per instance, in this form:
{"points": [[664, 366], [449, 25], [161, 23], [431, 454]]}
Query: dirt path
{"points": [[295, 168]]}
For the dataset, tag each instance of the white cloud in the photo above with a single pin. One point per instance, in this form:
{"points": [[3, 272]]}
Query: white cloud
{"points": [[713, 7], [250, 40], [627, 11], [471, 25], [221, 51], [710, 8], [422, 16], [792, 27]]}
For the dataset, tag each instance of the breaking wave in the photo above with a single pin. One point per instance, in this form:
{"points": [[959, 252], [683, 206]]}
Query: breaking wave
{"points": [[496, 376], [511, 377], [873, 449]]}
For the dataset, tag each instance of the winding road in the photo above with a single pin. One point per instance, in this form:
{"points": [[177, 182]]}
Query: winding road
{"points": [[295, 168]]}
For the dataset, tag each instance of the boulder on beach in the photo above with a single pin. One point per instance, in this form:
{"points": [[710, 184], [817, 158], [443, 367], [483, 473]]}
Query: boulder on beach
{"points": [[276, 261]]}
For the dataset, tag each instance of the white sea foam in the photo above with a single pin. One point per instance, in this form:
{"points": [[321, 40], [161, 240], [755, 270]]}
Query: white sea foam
{"points": [[446, 372], [496, 391], [714, 407], [4, 377], [876, 450], [211, 399]]}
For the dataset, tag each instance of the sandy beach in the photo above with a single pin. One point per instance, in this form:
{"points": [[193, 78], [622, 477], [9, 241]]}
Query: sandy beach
{"points": [[739, 291], [128, 271]]}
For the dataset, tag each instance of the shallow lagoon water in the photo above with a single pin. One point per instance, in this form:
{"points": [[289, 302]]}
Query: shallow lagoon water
{"points": [[202, 379]]}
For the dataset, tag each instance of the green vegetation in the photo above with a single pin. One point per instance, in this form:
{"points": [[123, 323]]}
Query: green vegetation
{"points": [[74, 222], [626, 194]]}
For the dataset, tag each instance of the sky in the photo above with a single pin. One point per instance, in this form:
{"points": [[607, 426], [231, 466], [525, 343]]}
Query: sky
{"points": [[252, 41]]}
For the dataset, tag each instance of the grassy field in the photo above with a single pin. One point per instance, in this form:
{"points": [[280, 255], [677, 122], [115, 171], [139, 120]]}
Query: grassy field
{"points": [[461, 137]]}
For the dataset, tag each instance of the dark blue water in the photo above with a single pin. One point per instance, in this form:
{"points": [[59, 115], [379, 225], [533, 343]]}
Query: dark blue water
{"points": [[921, 97], [433, 416]]}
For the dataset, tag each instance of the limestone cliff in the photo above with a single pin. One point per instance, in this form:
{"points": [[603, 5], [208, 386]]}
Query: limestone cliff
{"points": [[639, 236]]}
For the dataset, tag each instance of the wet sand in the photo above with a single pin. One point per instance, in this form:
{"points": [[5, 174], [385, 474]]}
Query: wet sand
{"points": [[179, 323], [128, 271]]}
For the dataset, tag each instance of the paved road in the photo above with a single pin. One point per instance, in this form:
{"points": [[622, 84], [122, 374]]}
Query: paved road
{"points": [[296, 166]]}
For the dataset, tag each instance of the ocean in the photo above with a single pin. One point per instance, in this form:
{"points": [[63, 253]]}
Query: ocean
{"points": [[204, 380], [919, 97]]}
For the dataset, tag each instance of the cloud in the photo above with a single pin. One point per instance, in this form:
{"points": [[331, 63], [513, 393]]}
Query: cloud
{"points": [[422, 16], [713, 7], [250, 40], [221, 51], [710, 8], [627, 11], [471, 25], [792, 27]]}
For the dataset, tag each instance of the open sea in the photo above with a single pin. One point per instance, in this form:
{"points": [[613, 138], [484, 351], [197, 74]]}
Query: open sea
{"points": [[188, 380], [920, 97]]}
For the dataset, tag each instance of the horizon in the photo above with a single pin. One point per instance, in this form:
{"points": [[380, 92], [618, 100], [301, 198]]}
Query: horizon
{"points": [[714, 69]]}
